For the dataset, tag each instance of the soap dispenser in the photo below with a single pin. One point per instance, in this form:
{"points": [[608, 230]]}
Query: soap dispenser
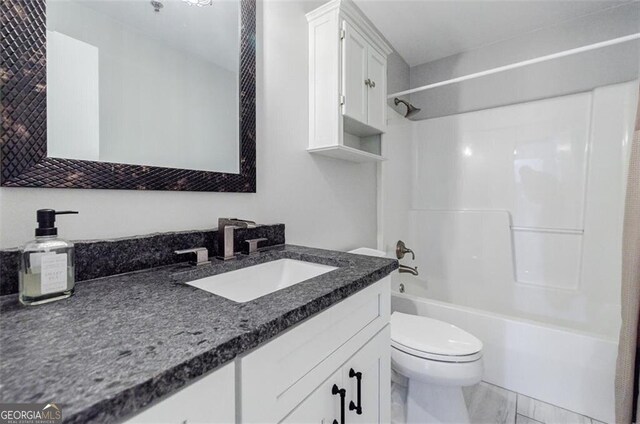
{"points": [[47, 265]]}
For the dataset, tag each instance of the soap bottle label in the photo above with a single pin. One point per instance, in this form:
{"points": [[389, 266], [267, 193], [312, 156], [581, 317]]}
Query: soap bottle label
{"points": [[53, 273]]}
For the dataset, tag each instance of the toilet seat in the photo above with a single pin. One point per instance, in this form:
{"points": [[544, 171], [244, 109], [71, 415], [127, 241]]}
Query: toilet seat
{"points": [[434, 340]]}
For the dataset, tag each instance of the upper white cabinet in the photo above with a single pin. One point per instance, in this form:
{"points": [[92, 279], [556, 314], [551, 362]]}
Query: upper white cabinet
{"points": [[377, 92], [347, 83], [355, 79]]}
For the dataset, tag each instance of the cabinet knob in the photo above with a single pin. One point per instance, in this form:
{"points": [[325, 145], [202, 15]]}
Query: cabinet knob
{"points": [[372, 84], [367, 82]]}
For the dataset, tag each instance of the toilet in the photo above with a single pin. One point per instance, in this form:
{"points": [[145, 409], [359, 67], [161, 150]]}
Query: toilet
{"points": [[435, 360]]}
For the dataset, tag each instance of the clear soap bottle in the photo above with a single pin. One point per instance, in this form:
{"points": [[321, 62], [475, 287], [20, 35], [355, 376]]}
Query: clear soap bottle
{"points": [[47, 265]]}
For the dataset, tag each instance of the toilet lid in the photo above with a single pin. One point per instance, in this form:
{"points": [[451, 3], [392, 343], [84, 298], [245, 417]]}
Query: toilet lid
{"points": [[433, 339]]}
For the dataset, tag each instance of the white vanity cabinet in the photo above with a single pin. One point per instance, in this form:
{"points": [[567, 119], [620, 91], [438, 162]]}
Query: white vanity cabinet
{"points": [[290, 378], [371, 365], [210, 399], [347, 83]]}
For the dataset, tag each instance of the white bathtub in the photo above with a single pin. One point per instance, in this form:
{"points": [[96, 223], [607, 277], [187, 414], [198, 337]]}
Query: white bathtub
{"points": [[571, 369]]}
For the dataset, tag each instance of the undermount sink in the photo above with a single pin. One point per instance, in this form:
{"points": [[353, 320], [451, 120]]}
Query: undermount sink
{"points": [[249, 283]]}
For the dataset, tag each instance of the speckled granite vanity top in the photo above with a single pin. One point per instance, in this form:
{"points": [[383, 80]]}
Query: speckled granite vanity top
{"points": [[124, 341]]}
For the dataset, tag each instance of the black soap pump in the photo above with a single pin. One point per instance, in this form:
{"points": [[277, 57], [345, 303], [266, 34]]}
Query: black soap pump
{"points": [[47, 266]]}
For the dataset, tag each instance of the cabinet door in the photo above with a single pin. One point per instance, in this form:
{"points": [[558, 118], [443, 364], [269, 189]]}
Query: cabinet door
{"points": [[377, 92], [211, 399], [374, 363], [354, 74], [321, 407]]}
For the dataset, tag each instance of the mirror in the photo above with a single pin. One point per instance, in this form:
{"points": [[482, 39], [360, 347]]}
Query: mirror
{"points": [[139, 82], [148, 102]]}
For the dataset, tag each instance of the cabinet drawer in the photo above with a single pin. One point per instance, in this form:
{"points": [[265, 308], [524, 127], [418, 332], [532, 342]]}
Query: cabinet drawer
{"points": [[279, 375], [210, 399]]}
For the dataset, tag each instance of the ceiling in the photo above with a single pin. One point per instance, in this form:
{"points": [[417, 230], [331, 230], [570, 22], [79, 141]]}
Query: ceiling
{"points": [[425, 30], [210, 32]]}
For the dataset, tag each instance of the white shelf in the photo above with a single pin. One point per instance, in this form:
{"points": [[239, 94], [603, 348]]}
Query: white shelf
{"points": [[346, 153]]}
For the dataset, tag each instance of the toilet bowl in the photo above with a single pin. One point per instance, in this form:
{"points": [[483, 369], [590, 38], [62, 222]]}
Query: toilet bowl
{"points": [[436, 359]]}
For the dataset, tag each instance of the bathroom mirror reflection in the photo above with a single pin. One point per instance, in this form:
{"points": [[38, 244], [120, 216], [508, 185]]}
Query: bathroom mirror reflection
{"points": [[142, 82]]}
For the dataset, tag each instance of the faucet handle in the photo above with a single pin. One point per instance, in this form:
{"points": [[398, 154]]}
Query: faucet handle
{"points": [[253, 244], [202, 254]]}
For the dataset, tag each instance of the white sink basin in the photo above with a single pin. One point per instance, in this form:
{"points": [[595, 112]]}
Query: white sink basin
{"points": [[252, 282]]}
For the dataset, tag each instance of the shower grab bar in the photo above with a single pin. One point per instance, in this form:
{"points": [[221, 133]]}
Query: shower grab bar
{"points": [[516, 65]]}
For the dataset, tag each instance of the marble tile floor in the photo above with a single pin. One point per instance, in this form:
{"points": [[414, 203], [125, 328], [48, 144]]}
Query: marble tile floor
{"points": [[489, 404]]}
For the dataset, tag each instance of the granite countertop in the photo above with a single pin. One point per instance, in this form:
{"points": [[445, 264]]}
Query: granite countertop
{"points": [[124, 341]]}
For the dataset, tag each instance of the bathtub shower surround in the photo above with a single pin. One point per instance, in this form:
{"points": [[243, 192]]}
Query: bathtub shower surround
{"points": [[536, 192], [525, 201], [492, 404], [515, 214], [102, 258]]}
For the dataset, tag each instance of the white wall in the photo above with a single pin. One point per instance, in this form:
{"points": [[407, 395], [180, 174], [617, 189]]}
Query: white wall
{"points": [[395, 182], [398, 77], [569, 75], [323, 202]]}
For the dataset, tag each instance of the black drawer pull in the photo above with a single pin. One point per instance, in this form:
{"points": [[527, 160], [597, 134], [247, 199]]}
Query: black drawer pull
{"points": [[352, 406], [343, 393]]}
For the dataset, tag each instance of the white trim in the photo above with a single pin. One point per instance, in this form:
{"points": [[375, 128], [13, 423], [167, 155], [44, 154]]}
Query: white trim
{"points": [[528, 62], [349, 10], [347, 153]]}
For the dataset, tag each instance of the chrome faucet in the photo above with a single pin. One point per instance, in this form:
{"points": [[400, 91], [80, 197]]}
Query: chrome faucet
{"points": [[226, 227]]}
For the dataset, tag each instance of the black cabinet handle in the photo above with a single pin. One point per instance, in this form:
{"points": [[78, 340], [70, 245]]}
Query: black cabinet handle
{"points": [[352, 406], [343, 393]]}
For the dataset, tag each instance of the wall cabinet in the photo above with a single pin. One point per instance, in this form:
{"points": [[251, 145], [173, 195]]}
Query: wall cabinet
{"points": [[364, 80], [347, 83], [291, 378]]}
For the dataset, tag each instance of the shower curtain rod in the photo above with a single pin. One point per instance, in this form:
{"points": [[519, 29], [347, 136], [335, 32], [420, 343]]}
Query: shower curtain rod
{"points": [[540, 59]]}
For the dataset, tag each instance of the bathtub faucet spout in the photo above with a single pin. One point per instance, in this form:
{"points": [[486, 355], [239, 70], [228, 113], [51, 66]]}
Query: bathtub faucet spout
{"points": [[408, 269]]}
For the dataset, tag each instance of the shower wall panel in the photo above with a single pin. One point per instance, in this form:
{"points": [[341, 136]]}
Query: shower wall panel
{"points": [[550, 175]]}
